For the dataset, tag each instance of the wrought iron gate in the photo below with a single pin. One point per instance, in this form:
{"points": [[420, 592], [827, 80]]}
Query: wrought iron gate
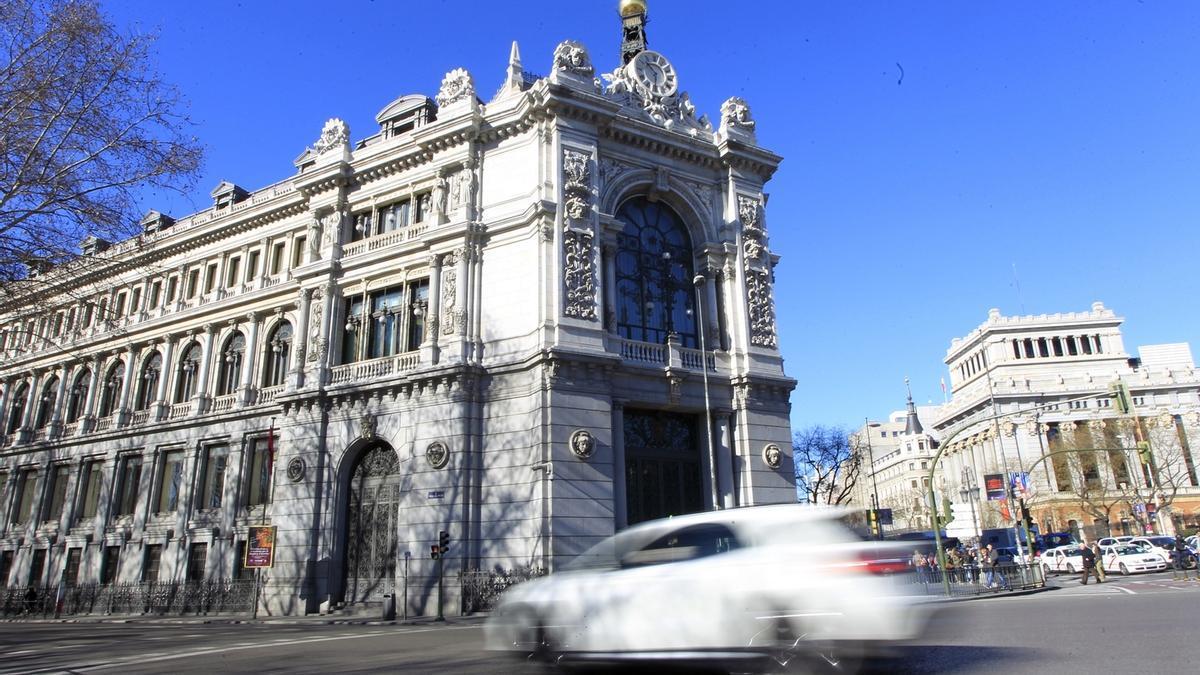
{"points": [[371, 526], [662, 465]]}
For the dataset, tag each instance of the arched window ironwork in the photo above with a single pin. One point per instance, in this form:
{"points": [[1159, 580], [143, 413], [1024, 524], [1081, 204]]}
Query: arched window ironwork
{"points": [[279, 349], [77, 398], [654, 294], [148, 387], [189, 368], [230, 375], [45, 410]]}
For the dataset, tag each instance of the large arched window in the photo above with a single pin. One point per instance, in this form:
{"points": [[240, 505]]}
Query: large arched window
{"points": [[230, 374], [77, 399], [189, 369], [45, 409], [16, 413], [279, 348], [111, 396], [654, 294], [148, 387]]}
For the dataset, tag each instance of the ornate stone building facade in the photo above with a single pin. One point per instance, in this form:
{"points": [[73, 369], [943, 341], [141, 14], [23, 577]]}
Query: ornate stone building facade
{"points": [[528, 322], [1032, 394]]}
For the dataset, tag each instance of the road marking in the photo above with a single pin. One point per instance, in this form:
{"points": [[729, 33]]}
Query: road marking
{"points": [[1122, 588], [153, 658]]}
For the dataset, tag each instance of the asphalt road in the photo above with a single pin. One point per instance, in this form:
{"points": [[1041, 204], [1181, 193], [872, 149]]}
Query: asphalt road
{"points": [[1128, 625]]}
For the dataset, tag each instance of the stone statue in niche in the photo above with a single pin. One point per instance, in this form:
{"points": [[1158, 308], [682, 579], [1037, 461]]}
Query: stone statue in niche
{"points": [[439, 198]]}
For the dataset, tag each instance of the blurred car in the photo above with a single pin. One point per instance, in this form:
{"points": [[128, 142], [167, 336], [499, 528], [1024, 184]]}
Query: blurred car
{"points": [[1128, 559], [1164, 546], [1062, 559], [1115, 541], [758, 586]]}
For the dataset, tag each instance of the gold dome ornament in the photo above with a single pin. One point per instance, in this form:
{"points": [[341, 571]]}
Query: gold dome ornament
{"points": [[629, 8]]}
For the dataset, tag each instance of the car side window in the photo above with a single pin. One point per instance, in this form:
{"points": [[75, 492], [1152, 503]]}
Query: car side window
{"points": [[689, 543]]}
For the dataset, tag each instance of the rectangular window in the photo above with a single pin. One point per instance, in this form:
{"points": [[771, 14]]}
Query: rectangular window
{"points": [[110, 564], [3, 484], [155, 295], [197, 559], [298, 245], [1057, 344], [58, 492], [1096, 341], [193, 283], [119, 306], [1043, 350], [216, 461], [234, 272], [129, 485], [27, 489], [210, 278], [151, 562], [172, 289], [277, 253], [6, 563], [93, 475], [71, 570], [252, 265], [37, 568], [136, 303], [258, 488], [170, 481], [240, 571], [1086, 343], [1072, 350]]}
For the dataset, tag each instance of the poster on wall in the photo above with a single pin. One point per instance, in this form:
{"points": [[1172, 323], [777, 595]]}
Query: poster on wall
{"points": [[260, 547], [1020, 484], [994, 484]]}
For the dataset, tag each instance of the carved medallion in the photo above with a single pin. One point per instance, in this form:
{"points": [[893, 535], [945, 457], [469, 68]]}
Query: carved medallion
{"points": [[772, 456], [295, 469], [457, 85], [437, 454], [583, 444]]}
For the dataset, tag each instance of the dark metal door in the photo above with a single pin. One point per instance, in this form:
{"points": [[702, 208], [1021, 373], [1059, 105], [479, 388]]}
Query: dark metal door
{"points": [[371, 526], [662, 465]]}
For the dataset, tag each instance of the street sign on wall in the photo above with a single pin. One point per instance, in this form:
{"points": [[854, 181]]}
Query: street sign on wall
{"points": [[994, 484]]}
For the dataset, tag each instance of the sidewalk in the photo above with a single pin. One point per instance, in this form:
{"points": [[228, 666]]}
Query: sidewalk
{"points": [[314, 619]]}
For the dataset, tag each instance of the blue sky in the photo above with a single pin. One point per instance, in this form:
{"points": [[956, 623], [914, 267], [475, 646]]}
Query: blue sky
{"points": [[931, 149]]}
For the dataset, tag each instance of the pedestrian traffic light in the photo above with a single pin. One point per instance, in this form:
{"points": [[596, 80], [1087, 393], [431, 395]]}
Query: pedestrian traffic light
{"points": [[1143, 448], [1120, 397], [434, 552], [443, 541]]}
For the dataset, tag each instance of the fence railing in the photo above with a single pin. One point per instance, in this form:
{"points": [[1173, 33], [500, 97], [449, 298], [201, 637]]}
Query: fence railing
{"points": [[481, 589], [175, 598], [971, 580]]}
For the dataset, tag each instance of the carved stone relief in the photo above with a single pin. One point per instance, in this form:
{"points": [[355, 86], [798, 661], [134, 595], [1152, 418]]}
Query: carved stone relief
{"points": [[449, 294], [760, 302], [334, 135], [437, 454], [577, 188], [772, 456], [572, 57], [735, 113], [457, 85], [583, 444], [316, 341], [579, 274], [670, 108]]}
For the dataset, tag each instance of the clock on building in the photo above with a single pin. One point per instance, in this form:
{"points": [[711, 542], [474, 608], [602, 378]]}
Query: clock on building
{"points": [[654, 72]]}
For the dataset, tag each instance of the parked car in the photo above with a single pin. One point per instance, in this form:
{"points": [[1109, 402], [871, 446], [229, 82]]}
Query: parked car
{"points": [[765, 583], [1128, 559], [1162, 545], [1114, 541], [1062, 559]]}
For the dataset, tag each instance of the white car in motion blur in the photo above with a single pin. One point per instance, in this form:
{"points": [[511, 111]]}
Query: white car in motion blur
{"points": [[1128, 559], [750, 587]]}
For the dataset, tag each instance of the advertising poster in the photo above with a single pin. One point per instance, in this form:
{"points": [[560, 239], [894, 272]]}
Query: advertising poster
{"points": [[994, 484], [1020, 484], [260, 547]]}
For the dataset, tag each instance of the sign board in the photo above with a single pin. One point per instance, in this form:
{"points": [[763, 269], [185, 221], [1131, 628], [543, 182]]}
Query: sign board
{"points": [[994, 484], [1020, 484], [260, 547], [885, 516], [1139, 509], [437, 494]]}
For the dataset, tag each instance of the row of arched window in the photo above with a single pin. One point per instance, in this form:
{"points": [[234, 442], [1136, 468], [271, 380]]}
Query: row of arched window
{"points": [[145, 391]]}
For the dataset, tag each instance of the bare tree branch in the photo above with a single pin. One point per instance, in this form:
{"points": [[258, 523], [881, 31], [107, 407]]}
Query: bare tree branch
{"points": [[828, 464]]}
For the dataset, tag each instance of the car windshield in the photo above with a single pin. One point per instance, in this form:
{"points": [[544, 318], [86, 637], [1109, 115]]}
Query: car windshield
{"points": [[1162, 541], [1128, 550]]}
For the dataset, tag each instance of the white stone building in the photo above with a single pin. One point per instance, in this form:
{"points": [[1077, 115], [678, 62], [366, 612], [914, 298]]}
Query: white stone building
{"points": [[498, 319], [897, 453], [1032, 394]]}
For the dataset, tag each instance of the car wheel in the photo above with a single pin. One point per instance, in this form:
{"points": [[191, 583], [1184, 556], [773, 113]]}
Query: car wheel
{"points": [[1070, 568], [1124, 569], [796, 653], [531, 637], [1045, 570]]}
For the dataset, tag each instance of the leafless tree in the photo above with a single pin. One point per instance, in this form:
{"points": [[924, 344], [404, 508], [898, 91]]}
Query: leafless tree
{"points": [[85, 123], [828, 463]]}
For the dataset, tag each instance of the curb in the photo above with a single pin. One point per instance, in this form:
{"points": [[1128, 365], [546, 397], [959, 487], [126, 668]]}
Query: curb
{"points": [[277, 621], [1006, 594]]}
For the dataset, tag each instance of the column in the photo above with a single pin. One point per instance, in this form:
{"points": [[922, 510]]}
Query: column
{"points": [[9, 385], [619, 488], [724, 453], [160, 405], [250, 358], [88, 419], [127, 386], [608, 291], [300, 344], [201, 396], [264, 263], [324, 342], [433, 311], [56, 415]]}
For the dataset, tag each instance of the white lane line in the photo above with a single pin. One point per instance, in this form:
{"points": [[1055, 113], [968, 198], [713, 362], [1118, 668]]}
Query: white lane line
{"points": [[152, 658], [1122, 588]]}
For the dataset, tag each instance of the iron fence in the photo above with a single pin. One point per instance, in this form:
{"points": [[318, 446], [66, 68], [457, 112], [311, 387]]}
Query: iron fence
{"points": [[481, 588], [198, 598], [971, 580]]}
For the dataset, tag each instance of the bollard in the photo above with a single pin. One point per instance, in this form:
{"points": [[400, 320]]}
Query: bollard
{"points": [[389, 607]]}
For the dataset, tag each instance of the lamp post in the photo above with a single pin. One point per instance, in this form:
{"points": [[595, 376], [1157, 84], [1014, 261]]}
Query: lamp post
{"points": [[867, 426], [698, 281], [970, 494]]}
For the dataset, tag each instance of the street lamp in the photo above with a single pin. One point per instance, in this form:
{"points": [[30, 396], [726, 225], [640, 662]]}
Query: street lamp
{"points": [[698, 282], [867, 426], [970, 494]]}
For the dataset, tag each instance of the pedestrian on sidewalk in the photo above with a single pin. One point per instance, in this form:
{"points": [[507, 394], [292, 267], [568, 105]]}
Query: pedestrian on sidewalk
{"points": [[1100, 573], [918, 563], [995, 577], [1089, 563], [1179, 557]]}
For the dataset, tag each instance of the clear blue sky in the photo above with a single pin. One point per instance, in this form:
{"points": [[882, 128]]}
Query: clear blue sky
{"points": [[930, 147]]}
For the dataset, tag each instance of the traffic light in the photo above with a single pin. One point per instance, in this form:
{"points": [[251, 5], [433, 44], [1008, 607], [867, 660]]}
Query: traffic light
{"points": [[434, 552], [1143, 448], [872, 524], [1120, 397], [443, 542]]}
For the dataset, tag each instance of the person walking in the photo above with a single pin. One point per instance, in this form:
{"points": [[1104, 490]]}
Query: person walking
{"points": [[1089, 563], [918, 563], [1179, 557], [1100, 573], [995, 576]]}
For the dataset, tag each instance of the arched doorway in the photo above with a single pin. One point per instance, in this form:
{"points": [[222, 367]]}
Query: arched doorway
{"points": [[372, 512]]}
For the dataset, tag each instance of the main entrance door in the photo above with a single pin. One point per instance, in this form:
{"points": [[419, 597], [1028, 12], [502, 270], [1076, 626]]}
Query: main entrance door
{"points": [[662, 465], [371, 525]]}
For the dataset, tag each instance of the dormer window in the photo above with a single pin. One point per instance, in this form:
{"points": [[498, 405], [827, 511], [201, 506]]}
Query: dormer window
{"points": [[405, 114], [227, 194]]}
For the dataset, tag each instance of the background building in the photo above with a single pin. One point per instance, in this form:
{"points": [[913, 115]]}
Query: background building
{"points": [[527, 322], [901, 449], [1032, 394]]}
